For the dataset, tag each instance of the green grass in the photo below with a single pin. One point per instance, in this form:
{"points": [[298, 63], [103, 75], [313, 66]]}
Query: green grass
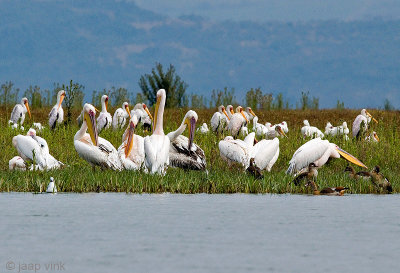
{"points": [[78, 176]]}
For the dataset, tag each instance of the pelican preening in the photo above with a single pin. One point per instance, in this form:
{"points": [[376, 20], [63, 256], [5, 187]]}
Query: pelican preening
{"points": [[33, 149], [92, 148], [56, 114], [120, 116], [265, 152], [219, 120], [19, 111], [361, 123], [145, 117], [156, 146], [104, 119], [131, 152], [183, 153], [318, 151]]}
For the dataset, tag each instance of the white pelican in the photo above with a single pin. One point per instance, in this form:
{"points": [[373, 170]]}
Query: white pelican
{"points": [[19, 111], [92, 148], [328, 128], [365, 118], [30, 150], [17, 163], [104, 119], [51, 162], [219, 120], [51, 188], [183, 153], [156, 146], [283, 126], [237, 121], [203, 128], [131, 151], [145, 117], [275, 131], [318, 151], [373, 137], [248, 112], [56, 114], [261, 130], [265, 153], [310, 131], [120, 116], [236, 150]]}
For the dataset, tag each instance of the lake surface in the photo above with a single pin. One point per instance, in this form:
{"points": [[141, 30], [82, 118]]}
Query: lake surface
{"points": [[111, 232]]}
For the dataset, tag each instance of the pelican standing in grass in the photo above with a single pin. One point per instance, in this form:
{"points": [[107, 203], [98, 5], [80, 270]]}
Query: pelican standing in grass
{"points": [[145, 117], [156, 146], [237, 121], [19, 111], [265, 153], [30, 151], [131, 152], [219, 120], [56, 114], [120, 116], [318, 151], [361, 122], [92, 148], [275, 131], [183, 153], [104, 119]]}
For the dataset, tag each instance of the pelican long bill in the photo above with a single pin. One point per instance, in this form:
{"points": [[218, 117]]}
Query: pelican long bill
{"points": [[147, 111], [192, 126], [350, 157], [90, 119], [27, 108], [61, 100], [129, 143]]}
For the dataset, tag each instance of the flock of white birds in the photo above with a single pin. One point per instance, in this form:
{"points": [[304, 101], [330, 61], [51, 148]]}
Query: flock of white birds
{"points": [[156, 152]]}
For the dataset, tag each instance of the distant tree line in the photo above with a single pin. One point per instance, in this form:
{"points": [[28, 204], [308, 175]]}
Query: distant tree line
{"points": [[149, 84]]}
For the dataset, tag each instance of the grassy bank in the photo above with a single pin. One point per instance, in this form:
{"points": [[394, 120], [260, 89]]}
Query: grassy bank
{"points": [[79, 176]]}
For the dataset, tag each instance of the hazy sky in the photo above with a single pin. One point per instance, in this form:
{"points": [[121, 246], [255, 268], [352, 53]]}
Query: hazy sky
{"points": [[286, 10]]}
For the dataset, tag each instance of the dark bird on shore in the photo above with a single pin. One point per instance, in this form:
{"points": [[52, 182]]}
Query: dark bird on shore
{"points": [[379, 180], [358, 175], [254, 170], [338, 191], [310, 174]]}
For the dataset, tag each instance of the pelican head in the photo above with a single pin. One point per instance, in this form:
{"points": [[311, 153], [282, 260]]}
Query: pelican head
{"points": [[125, 106], [230, 109], [60, 98], [375, 136], [351, 158], [104, 100], [222, 110], [344, 124], [280, 131], [250, 111], [365, 113], [306, 123], [329, 125], [190, 120], [24, 102], [131, 132], [239, 109], [31, 132], [89, 116], [145, 108]]}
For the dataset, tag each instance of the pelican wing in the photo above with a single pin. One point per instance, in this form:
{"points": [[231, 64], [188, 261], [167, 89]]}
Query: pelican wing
{"points": [[180, 155], [16, 113], [29, 149], [265, 153], [53, 117], [309, 152], [110, 153], [357, 124], [216, 124], [235, 151], [103, 121]]}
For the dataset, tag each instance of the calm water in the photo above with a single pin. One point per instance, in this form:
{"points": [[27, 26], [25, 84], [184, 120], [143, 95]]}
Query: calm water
{"points": [[199, 233]]}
